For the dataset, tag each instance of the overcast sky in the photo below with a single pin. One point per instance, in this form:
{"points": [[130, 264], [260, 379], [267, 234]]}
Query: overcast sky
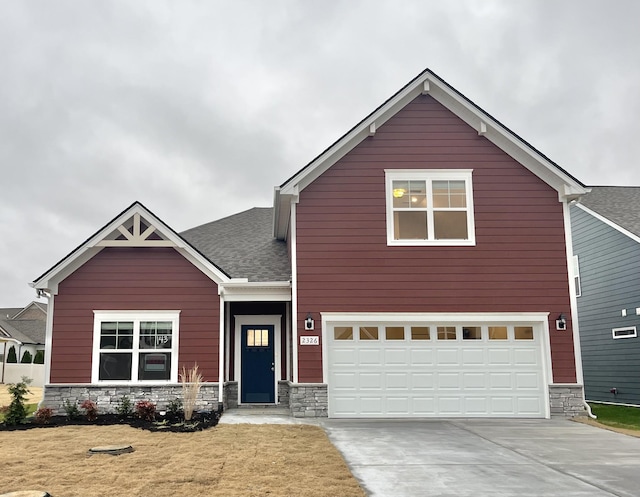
{"points": [[197, 109]]}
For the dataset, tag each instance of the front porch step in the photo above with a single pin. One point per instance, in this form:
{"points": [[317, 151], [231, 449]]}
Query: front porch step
{"points": [[262, 415]]}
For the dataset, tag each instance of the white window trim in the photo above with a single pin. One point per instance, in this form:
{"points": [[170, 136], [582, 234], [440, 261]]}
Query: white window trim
{"points": [[136, 316], [430, 175], [613, 332]]}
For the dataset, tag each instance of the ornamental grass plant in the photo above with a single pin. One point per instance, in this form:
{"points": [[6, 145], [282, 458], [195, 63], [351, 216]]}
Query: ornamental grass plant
{"points": [[191, 381]]}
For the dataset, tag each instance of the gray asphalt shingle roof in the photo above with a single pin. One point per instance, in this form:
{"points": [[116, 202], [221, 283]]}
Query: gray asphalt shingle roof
{"points": [[243, 246], [619, 204]]}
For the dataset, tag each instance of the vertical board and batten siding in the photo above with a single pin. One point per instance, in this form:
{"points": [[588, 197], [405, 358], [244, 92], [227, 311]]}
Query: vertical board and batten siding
{"points": [[518, 263], [609, 274], [134, 279]]}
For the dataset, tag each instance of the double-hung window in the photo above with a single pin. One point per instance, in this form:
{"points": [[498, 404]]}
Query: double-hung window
{"points": [[135, 346], [429, 207]]}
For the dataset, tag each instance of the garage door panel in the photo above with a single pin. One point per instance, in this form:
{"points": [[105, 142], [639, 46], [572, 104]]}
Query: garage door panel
{"points": [[500, 381], [396, 357], [525, 357], [473, 357], [448, 356], [344, 380], [370, 381], [343, 356], [428, 377], [528, 405], [474, 381], [450, 406], [526, 381], [499, 356], [398, 406], [422, 381], [475, 406], [370, 357], [395, 381], [421, 357], [448, 381], [371, 405], [424, 406], [502, 405]]}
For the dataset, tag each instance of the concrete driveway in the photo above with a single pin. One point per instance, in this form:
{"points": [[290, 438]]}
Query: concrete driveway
{"points": [[497, 458]]}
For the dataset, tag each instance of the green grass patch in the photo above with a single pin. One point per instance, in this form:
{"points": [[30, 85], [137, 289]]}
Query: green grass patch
{"points": [[31, 408], [617, 416]]}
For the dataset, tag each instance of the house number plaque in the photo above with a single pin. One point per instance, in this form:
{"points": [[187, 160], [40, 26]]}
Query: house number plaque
{"points": [[309, 340]]}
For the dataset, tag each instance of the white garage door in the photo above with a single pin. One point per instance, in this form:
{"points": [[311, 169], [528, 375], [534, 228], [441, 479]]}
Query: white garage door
{"points": [[378, 370]]}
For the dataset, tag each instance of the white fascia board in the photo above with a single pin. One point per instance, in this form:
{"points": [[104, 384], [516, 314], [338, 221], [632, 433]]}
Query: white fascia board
{"points": [[50, 280], [270, 291], [610, 223], [461, 317], [461, 107]]}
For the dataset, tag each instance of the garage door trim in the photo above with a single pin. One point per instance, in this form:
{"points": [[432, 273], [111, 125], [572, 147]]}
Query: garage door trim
{"points": [[539, 320]]}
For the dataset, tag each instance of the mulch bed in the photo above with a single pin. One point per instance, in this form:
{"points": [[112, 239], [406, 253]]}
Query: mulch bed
{"points": [[162, 423]]}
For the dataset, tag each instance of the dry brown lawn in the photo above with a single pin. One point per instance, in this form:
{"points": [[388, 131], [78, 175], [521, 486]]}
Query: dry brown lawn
{"points": [[228, 460], [34, 396]]}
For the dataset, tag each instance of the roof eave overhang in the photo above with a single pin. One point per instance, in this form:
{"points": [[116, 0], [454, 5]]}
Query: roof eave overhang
{"points": [[282, 212], [428, 83], [50, 280], [242, 290]]}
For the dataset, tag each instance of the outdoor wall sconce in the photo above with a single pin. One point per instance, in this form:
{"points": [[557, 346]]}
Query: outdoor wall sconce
{"points": [[308, 322], [561, 323], [614, 391]]}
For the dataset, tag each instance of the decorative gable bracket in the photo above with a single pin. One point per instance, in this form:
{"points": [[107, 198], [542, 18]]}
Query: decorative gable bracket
{"points": [[135, 232]]}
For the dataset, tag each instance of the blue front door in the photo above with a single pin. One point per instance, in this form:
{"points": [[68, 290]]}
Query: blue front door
{"points": [[258, 364]]}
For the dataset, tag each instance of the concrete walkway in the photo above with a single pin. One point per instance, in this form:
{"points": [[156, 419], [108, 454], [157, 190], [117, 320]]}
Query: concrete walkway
{"points": [[500, 458]]}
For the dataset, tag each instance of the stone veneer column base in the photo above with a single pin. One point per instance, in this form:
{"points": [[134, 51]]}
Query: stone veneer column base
{"points": [[109, 397], [567, 400], [308, 400]]}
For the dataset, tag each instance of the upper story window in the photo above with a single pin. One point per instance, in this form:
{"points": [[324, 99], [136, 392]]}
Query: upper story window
{"points": [[135, 346], [429, 207]]}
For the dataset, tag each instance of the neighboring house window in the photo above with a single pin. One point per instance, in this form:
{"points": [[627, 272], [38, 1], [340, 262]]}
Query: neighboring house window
{"points": [[628, 332], [136, 347], [576, 276], [429, 207]]}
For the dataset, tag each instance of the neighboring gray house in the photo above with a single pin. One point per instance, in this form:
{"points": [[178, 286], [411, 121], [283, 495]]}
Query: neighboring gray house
{"points": [[606, 245], [24, 328]]}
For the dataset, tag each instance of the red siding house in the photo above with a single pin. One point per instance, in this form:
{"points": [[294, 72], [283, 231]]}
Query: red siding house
{"points": [[416, 268]]}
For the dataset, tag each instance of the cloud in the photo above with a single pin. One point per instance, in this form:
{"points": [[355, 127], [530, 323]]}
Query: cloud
{"points": [[198, 109]]}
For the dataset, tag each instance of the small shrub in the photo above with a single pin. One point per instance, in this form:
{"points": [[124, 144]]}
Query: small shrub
{"points": [[90, 409], [146, 410], [27, 358], [39, 358], [43, 415], [124, 409], [71, 410], [17, 411], [11, 355], [174, 407]]}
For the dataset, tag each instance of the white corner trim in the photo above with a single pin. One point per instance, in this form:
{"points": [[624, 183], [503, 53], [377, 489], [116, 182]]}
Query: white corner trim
{"points": [[48, 339], [294, 292], [573, 299], [221, 350], [610, 223]]}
